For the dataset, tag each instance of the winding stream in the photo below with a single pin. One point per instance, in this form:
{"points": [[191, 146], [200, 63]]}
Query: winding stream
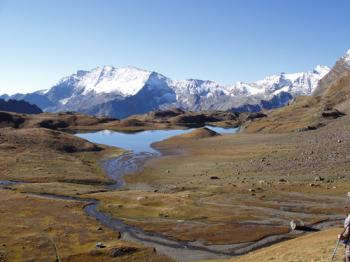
{"points": [[140, 150]]}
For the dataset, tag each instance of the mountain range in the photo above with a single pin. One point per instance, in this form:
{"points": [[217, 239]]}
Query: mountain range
{"points": [[120, 92]]}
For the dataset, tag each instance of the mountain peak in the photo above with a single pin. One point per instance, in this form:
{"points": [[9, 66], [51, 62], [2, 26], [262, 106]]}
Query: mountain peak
{"points": [[126, 81], [346, 57], [321, 69], [108, 67]]}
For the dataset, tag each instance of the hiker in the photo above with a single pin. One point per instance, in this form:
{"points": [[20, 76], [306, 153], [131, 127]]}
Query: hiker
{"points": [[345, 235]]}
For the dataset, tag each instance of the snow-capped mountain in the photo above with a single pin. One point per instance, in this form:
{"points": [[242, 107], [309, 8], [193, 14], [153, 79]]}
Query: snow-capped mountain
{"points": [[297, 84], [103, 80], [120, 92], [116, 92], [272, 91]]}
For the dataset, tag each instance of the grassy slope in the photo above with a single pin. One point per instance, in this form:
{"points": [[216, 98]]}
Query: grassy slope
{"points": [[314, 247], [42, 155]]}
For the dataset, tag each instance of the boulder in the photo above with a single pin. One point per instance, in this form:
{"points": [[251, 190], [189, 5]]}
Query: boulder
{"points": [[100, 245], [318, 179], [334, 113]]}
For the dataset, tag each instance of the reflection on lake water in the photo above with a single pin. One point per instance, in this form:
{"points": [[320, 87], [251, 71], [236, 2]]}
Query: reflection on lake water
{"points": [[141, 141]]}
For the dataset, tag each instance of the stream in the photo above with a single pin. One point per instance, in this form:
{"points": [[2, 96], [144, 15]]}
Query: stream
{"points": [[139, 151]]}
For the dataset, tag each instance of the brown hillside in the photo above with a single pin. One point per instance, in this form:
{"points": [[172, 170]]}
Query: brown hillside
{"points": [[314, 247], [340, 68], [200, 133]]}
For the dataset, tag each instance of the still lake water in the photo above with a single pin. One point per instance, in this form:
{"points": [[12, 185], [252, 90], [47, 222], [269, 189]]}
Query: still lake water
{"points": [[140, 142]]}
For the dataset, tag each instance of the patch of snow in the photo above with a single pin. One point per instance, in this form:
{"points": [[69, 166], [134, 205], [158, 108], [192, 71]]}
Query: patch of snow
{"points": [[42, 92], [198, 87], [293, 77], [127, 81], [64, 101], [245, 89], [346, 57], [321, 70], [283, 89]]}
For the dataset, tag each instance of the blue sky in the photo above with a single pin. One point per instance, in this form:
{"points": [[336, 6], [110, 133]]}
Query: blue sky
{"points": [[220, 40]]}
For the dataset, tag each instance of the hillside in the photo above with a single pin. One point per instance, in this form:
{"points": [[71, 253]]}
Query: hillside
{"points": [[19, 106], [314, 247], [51, 121]]}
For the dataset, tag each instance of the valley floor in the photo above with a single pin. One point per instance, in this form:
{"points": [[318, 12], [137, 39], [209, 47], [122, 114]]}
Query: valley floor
{"points": [[220, 190]]}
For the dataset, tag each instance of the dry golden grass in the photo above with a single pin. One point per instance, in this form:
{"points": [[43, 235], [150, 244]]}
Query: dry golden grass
{"points": [[304, 112], [198, 133], [58, 188], [183, 216], [30, 224], [315, 247]]}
